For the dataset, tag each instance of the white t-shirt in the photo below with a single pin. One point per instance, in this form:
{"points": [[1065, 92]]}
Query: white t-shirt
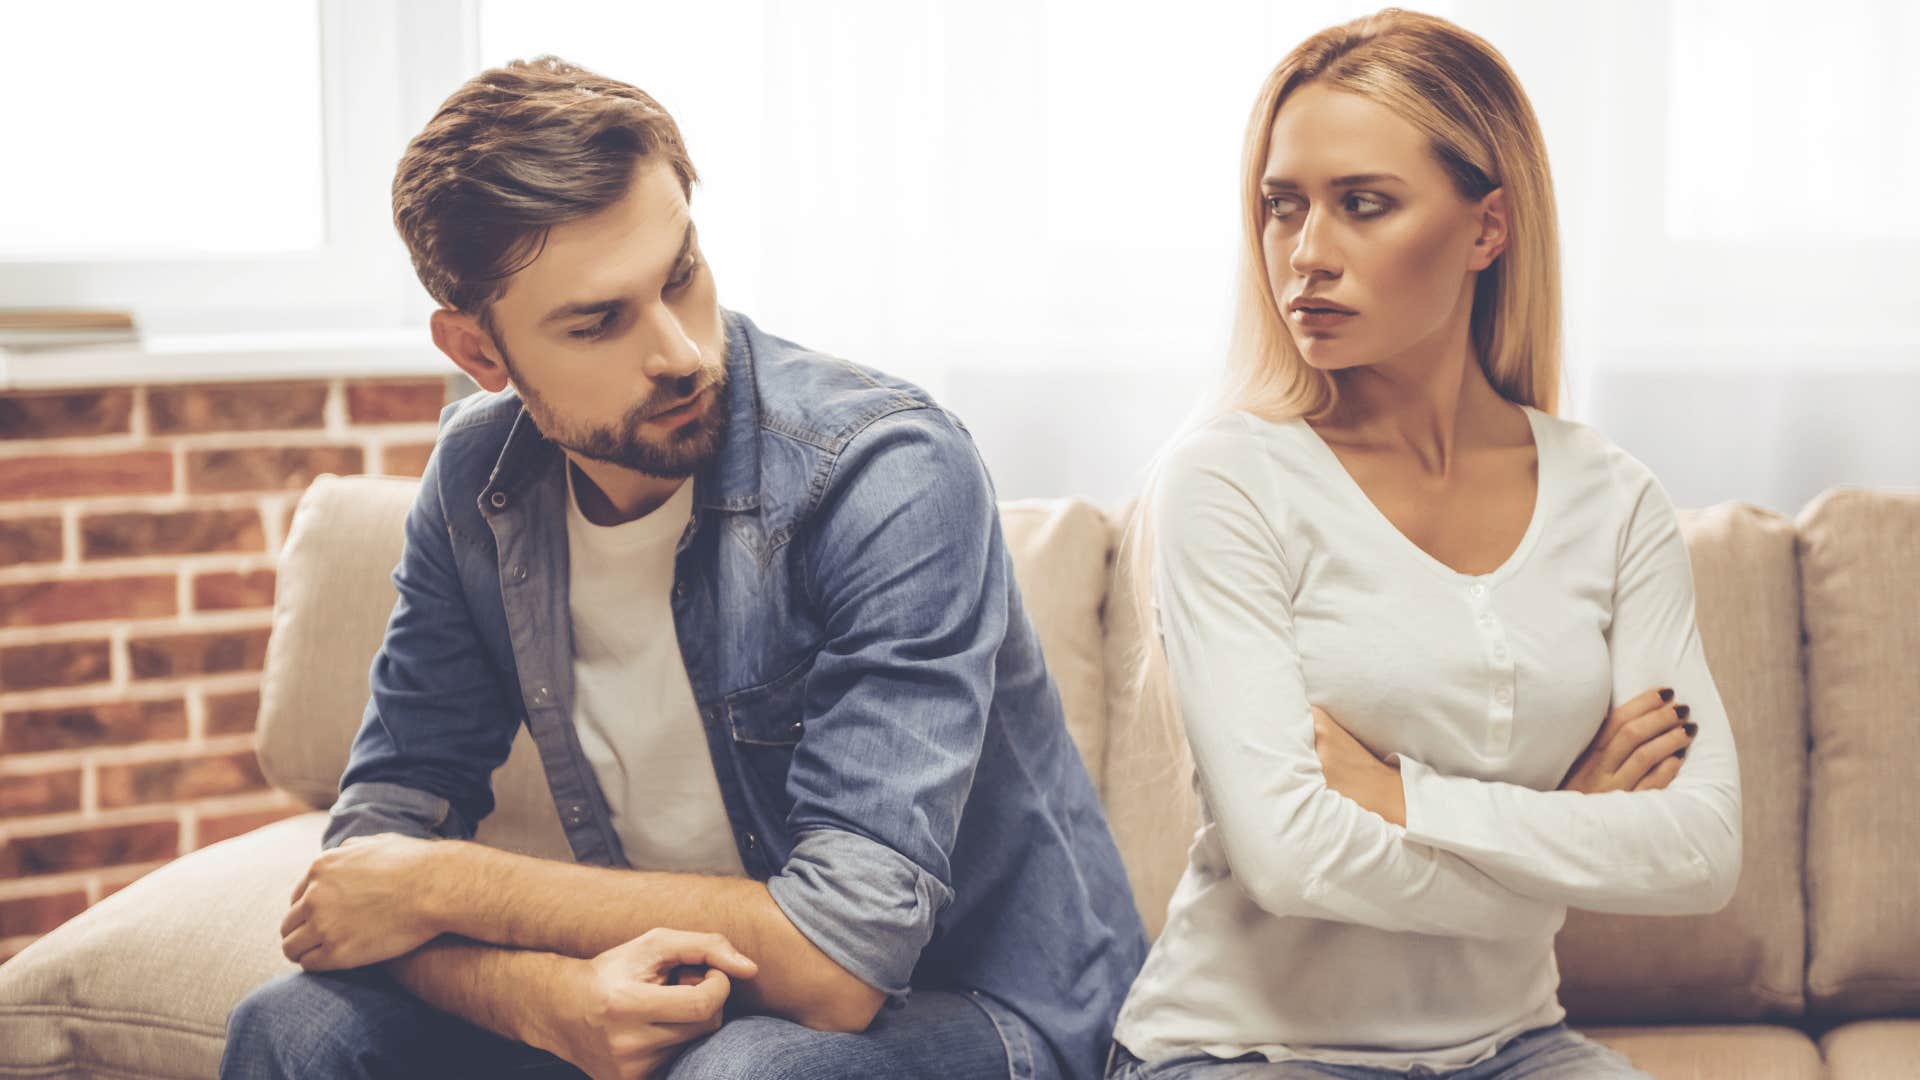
{"points": [[1306, 926], [632, 704]]}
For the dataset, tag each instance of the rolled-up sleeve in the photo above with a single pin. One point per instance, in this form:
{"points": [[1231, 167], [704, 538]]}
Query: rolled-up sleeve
{"points": [[1674, 851], [371, 807], [910, 576], [865, 905], [1224, 590], [438, 720]]}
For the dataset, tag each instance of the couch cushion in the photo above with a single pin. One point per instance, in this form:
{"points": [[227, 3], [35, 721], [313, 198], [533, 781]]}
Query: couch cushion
{"points": [[1150, 800], [1860, 568], [1743, 962], [1873, 1050], [140, 984], [336, 592], [330, 608], [1715, 1052], [1746, 961], [1060, 549]]}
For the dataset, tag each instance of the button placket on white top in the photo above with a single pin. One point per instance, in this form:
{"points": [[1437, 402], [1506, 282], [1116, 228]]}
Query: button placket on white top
{"points": [[1500, 664]]}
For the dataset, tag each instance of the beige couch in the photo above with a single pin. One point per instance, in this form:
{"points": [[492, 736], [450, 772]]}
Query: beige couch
{"points": [[1810, 626]]}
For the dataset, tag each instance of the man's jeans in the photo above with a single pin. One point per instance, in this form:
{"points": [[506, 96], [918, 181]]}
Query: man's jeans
{"points": [[360, 1023], [1554, 1052]]}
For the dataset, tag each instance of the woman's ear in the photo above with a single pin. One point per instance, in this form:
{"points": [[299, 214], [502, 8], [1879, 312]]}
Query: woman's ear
{"points": [[1493, 230], [468, 345]]}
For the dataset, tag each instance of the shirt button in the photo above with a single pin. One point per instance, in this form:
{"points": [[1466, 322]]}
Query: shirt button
{"points": [[519, 572], [541, 694], [752, 841], [576, 814], [498, 499], [797, 727], [1499, 652], [680, 590], [1503, 695], [1486, 618], [1478, 589]]}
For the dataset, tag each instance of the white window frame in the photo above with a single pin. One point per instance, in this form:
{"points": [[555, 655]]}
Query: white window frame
{"points": [[384, 68]]}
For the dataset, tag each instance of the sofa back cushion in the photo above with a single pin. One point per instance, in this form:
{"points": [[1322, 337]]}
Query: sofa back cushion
{"points": [[1747, 960], [1060, 549], [1860, 570], [1151, 803], [1744, 961], [336, 592]]}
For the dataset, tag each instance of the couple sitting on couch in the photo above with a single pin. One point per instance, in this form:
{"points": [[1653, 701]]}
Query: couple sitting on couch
{"points": [[1431, 649]]}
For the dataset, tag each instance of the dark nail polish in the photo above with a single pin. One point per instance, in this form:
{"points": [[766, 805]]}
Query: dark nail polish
{"points": [[1692, 729], [1682, 752], [1666, 696], [1682, 710]]}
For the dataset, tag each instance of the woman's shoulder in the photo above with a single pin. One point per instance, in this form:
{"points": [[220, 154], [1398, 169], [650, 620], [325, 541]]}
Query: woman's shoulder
{"points": [[1586, 453], [1237, 442], [1234, 467]]}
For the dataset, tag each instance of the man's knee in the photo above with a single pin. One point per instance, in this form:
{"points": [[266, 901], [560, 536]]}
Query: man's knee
{"points": [[766, 1048], [301, 1024]]}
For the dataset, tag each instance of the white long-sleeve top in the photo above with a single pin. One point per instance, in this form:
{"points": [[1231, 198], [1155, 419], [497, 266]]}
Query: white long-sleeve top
{"points": [[1308, 927]]}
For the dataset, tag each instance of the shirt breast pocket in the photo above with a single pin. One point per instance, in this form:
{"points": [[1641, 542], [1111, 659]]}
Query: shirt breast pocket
{"points": [[767, 722]]}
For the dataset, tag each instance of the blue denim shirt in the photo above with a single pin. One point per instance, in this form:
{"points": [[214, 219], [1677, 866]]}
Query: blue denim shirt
{"points": [[890, 748]]}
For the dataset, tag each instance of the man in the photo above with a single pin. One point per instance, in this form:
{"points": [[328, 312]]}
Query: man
{"points": [[754, 605]]}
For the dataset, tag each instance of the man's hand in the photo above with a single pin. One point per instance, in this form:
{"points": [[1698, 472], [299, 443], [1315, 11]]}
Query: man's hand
{"points": [[1353, 771], [1638, 748], [626, 1015], [360, 903]]}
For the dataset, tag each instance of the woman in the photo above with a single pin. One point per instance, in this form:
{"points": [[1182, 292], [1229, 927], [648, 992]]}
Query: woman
{"points": [[1386, 543]]}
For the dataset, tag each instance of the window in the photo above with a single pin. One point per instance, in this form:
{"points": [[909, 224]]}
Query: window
{"points": [[217, 166], [138, 152]]}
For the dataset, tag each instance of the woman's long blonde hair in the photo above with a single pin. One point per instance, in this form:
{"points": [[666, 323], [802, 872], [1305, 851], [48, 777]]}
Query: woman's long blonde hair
{"points": [[1457, 89]]}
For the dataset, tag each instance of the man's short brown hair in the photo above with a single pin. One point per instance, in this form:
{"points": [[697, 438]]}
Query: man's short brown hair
{"points": [[513, 152]]}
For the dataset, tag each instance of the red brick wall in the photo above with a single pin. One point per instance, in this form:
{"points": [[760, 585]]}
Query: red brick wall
{"points": [[138, 530]]}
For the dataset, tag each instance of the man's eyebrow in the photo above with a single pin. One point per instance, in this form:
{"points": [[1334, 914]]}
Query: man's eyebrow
{"points": [[1274, 183], [597, 307]]}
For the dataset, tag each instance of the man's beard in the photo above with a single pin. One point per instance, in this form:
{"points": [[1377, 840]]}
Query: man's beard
{"points": [[679, 453]]}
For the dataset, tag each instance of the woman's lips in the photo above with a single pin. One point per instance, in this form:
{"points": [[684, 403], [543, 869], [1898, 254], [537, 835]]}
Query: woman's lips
{"points": [[1320, 320]]}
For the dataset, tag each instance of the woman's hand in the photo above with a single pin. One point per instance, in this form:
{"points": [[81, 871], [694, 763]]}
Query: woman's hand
{"points": [[1353, 771], [1639, 748]]}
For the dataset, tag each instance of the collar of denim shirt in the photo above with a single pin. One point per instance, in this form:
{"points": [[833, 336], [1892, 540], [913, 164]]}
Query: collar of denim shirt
{"points": [[729, 481]]}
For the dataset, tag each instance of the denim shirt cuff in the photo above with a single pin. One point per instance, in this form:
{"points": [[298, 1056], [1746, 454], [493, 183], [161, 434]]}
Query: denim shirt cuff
{"points": [[371, 807], [869, 908]]}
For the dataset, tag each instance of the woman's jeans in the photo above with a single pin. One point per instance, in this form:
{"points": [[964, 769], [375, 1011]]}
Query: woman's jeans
{"points": [[1555, 1052]]}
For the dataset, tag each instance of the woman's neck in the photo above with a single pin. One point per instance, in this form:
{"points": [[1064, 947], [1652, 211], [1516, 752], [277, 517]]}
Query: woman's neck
{"points": [[1430, 412]]}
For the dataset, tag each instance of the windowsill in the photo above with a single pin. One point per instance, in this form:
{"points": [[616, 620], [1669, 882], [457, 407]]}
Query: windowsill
{"points": [[184, 358]]}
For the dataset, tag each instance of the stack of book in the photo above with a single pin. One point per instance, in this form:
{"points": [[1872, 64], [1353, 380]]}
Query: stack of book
{"points": [[24, 330]]}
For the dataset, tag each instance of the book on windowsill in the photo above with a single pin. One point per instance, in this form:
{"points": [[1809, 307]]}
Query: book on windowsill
{"points": [[52, 329]]}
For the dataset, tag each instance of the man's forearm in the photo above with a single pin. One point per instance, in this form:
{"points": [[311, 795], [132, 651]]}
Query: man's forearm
{"points": [[581, 911], [510, 992]]}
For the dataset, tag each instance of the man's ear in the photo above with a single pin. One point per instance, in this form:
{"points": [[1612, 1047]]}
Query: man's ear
{"points": [[1493, 230], [467, 344]]}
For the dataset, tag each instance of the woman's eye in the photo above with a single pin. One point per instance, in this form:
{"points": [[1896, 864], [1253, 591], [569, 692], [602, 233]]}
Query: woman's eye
{"points": [[1278, 207], [684, 278]]}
